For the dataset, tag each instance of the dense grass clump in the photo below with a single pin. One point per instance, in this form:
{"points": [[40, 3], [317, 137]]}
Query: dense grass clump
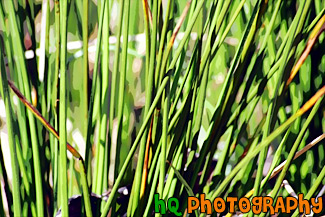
{"points": [[106, 103]]}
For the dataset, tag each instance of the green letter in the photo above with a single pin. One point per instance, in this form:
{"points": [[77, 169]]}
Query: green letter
{"points": [[174, 208], [161, 203]]}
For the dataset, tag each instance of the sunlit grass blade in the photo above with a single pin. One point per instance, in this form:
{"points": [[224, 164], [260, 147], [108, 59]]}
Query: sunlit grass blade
{"points": [[63, 178], [85, 10], [319, 28], [93, 89], [102, 145]]}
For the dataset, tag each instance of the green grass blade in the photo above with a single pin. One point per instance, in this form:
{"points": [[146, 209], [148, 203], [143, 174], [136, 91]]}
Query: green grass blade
{"points": [[63, 179], [13, 155]]}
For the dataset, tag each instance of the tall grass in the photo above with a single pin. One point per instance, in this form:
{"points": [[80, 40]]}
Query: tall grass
{"points": [[120, 100]]}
